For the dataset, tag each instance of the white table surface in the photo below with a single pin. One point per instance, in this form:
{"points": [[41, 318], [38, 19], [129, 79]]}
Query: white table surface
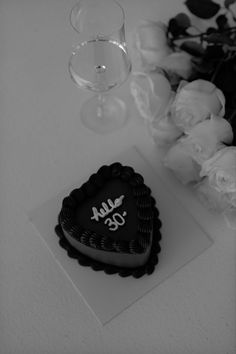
{"points": [[43, 149]]}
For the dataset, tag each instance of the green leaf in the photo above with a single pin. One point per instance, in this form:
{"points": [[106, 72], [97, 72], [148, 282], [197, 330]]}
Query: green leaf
{"points": [[222, 22], [218, 38], [174, 28], [226, 77], [204, 9], [211, 30], [204, 69], [183, 20], [177, 25], [193, 48], [214, 53]]}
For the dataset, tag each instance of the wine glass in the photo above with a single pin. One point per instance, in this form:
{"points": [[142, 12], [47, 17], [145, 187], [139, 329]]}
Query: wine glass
{"points": [[100, 61]]}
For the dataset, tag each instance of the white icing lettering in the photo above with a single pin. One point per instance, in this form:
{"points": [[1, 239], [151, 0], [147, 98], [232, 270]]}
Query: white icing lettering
{"points": [[116, 221], [105, 210], [119, 219], [102, 212], [105, 207], [113, 226], [109, 201]]}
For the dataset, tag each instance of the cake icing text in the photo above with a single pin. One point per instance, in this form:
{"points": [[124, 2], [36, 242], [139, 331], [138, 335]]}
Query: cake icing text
{"points": [[105, 210], [116, 219]]}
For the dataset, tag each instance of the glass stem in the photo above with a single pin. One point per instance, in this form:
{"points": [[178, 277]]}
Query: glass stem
{"points": [[100, 108]]}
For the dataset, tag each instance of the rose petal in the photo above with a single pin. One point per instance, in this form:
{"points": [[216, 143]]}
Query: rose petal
{"points": [[216, 128], [210, 197], [150, 41], [204, 139], [222, 159], [195, 102], [230, 218], [179, 63], [183, 166], [164, 132], [142, 100], [198, 148], [221, 170], [151, 35], [152, 93]]}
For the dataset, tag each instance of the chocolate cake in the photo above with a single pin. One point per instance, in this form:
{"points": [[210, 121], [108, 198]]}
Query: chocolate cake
{"points": [[111, 223]]}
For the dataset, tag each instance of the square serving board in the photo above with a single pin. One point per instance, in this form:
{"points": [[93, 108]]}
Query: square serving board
{"points": [[108, 295]]}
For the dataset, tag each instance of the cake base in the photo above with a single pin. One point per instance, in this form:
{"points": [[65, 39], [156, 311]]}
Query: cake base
{"points": [[137, 272]]}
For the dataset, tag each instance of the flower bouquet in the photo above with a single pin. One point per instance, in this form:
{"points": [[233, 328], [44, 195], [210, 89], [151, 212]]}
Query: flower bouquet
{"points": [[185, 89]]}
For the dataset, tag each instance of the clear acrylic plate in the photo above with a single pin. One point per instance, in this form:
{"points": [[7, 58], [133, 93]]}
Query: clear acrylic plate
{"points": [[183, 239]]}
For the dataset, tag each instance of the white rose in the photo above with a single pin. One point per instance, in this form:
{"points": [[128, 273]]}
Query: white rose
{"points": [[150, 42], [230, 218], [163, 131], [179, 63], [182, 164], [216, 127], [207, 137], [151, 92], [221, 171], [210, 197], [217, 201], [195, 102], [231, 198]]}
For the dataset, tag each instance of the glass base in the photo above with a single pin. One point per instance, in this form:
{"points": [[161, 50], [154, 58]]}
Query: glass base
{"points": [[103, 114]]}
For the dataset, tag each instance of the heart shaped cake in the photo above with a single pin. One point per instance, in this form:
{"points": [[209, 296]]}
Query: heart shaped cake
{"points": [[111, 223]]}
